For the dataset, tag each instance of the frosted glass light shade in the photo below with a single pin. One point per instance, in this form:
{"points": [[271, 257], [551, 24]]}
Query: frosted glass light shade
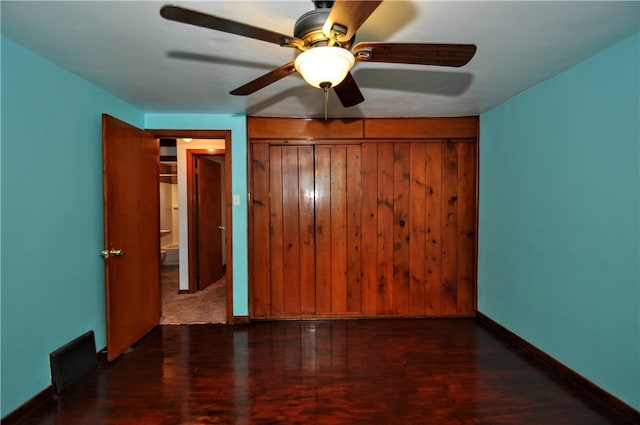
{"points": [[326, 64]]}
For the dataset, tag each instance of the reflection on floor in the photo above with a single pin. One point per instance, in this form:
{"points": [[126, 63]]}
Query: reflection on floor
{"points": [[206, 306], [355, 372]]}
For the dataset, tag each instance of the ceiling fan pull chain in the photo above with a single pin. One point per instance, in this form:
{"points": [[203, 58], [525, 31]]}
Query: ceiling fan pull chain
{"points": [[325, 87]]}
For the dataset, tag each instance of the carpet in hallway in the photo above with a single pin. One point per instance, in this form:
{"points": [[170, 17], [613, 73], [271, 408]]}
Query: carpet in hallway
{"points": [[205, 306]]}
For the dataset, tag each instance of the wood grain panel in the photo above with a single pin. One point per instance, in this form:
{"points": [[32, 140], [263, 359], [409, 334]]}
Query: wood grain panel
{"points": [[449, 295], [421, 128], [338, 229], [276, 229], [433, 217], [291, 257], [418, 231], [354, 229], [401, 228], [385, 229], [323, 229], [294, 128], [306, 197], [261, 270], [466, 227], [369, 229]]}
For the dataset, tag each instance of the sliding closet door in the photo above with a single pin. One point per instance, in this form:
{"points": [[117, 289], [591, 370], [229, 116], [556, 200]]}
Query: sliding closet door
{"points": [[418, 203], [338, 230], [382, 228], [306, 230], [283, 236]]}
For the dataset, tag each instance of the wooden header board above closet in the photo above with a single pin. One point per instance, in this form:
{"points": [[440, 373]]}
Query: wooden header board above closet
{"points": [[362, 217], [370, 128]]}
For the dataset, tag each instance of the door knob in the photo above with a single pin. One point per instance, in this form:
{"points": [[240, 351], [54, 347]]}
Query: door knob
{"points": [[106, 253], [221, 228]]}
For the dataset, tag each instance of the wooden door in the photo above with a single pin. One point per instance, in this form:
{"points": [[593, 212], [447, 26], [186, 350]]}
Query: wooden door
{"points": [[131, 233], [210, 228], [283, 261], [307, 224], [418, 228], [338, 217], [393, 229]]}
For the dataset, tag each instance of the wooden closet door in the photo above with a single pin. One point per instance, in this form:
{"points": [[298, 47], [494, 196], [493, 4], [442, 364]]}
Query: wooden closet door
{"points": [[418, 221], [283, 263], [379, 229], [307, 219], [338, 230]]}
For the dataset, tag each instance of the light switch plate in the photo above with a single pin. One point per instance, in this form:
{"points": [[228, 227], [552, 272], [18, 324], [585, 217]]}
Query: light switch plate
{"points": [[236, 199]]}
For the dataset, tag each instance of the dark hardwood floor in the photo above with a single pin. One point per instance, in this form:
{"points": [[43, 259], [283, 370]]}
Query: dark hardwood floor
{"points": [[324, 372]]}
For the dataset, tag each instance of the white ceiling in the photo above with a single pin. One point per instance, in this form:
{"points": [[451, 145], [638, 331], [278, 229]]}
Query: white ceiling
{"points": [[163, 66]]}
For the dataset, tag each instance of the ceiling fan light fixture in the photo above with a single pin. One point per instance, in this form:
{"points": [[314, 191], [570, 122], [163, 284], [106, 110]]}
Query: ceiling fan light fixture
{"points": [[325, 64]]}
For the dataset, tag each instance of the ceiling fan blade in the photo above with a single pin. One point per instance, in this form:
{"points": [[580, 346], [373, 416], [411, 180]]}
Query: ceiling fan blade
{"points": [[199, 19], [348, 92], [264, 80], [346, 17], [415, 53]]}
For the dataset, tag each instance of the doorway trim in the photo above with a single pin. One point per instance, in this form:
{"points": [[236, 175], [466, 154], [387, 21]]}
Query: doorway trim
{"points": [[226, 136]]}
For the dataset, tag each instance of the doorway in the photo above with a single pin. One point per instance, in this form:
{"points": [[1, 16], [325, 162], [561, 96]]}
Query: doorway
{"points": [[207, 230], [195, 297]]}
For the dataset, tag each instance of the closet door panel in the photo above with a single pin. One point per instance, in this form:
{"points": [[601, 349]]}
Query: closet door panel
{"points": [[354, 229], [433, 217], [338, 221], [291, 258], [385, 229], [306, 208], [283, 273], [466, 227], [261, 236], [369, 176], [323, 229], [449, 295], [338, 228], [401, 228], [277, 232], [418, 230]]}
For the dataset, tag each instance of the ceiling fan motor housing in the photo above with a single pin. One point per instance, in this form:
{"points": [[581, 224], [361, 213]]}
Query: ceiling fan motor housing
{"points": [[308, 27]]}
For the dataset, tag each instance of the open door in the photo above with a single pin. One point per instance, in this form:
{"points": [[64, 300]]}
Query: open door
{"points": [[130, 164], [209, 190]]}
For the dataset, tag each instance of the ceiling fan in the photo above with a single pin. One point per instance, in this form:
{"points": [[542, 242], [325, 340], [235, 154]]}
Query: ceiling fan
{"points": [[325, 38]]}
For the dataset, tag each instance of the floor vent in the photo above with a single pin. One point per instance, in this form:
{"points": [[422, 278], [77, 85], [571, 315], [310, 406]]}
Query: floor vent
{"points": [[74, 360]]}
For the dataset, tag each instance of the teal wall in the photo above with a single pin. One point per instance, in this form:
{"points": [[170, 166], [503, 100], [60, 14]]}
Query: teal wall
{"points": [[559, 218], [52, 276], [238, 126]]}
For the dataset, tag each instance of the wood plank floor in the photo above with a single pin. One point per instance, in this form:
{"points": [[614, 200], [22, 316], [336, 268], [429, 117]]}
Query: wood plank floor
{"points": [[323, 372]]}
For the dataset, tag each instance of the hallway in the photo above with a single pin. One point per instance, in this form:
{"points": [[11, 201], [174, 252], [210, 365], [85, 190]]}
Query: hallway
{"points": [[206, 306]]}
